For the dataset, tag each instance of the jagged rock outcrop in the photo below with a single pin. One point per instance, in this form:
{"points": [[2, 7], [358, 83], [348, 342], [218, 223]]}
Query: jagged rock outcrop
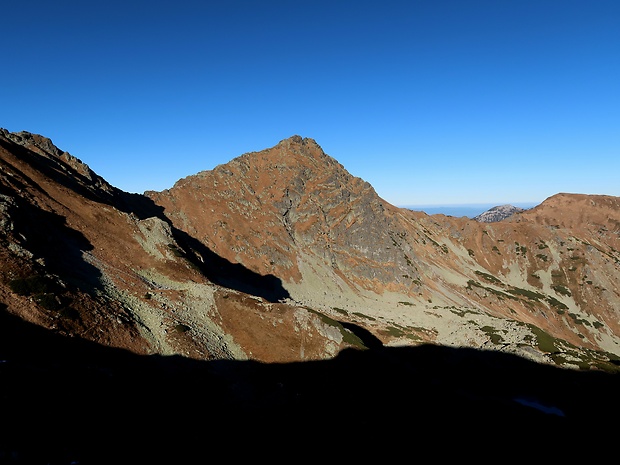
{"points": [[499, 213], [57, 163]]}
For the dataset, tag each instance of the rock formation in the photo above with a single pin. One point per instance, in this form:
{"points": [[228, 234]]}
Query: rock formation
{"points": [[498, 213]]}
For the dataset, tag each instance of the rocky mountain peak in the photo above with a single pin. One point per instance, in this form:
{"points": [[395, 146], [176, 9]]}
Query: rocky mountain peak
{"points": [[299, 141], [300, 197], [498, 213], [295, 152]]}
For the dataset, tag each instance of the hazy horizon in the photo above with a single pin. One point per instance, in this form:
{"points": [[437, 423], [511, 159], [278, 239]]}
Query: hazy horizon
{"points": [[464, 209]]}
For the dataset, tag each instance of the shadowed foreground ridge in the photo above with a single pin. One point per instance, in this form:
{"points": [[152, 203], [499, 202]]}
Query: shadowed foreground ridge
{"points": [[72, 400]]}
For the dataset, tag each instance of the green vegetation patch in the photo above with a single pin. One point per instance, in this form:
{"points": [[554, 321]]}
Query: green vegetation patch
{"points": [[395, 332], [462, 312], [561, 290], [555, 303], [361, 315], [493, 335], [564, 353], [579, 321], [532, 295], [544, 340], [501, 295], [489, 277], [520, 249], [413, 333], [347, 336]]}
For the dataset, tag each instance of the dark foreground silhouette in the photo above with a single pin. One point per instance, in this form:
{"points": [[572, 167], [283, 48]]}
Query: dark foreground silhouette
{"points": [[65, 400]]}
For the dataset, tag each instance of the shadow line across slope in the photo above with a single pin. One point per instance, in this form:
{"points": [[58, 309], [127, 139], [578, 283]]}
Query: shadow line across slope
{"points": [[66, 399]]}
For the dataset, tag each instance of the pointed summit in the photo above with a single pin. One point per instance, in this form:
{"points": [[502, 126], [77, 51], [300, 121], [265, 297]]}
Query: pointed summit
{"points": [[281, 201], [300, 141], [293, 151]]}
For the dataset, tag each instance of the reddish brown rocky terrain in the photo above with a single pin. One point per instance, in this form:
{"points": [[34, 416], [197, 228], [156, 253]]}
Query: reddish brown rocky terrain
{"points": [[543, 283], [277, 293]]}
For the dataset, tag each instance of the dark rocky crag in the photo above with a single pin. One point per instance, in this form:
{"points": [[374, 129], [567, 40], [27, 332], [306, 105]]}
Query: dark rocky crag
{"points": [[277, 299]]}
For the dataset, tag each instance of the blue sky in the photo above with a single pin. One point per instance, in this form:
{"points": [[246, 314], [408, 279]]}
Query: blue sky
{"points": [[433, 102]]}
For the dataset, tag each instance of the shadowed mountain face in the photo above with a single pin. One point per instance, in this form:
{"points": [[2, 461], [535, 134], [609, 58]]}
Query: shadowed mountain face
{"points": [[279, 295]]}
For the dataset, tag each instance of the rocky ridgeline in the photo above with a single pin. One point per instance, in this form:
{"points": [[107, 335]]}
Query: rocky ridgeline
{"points": [[57, 163]]}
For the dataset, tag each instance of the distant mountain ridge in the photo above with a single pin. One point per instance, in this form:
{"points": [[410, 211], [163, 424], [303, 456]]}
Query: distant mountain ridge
{"points": [[460, 210], [498, 213]]}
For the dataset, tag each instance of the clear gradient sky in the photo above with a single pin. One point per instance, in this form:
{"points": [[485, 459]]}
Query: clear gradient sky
{"points": [[430, 101]]}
